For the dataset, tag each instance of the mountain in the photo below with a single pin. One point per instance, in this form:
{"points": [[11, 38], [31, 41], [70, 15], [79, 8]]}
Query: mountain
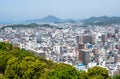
{"points": [[69, 21], [51, 19], [103, 20], [47, 19]]}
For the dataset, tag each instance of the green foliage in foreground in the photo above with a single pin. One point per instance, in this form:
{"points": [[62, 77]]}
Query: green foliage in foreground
{"points": [[16, 63], [1, 76], [63, 71], [97, 73], [116, 76]]}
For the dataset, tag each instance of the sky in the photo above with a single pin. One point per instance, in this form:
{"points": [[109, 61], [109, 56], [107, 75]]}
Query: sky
{"points": [[19, 10]]}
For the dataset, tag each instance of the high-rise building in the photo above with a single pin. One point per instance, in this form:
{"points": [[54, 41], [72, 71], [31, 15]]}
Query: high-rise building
{"points": [[80, 56], [86, 38], [92, 39], [81, 46], [79, 39], [89, 39], [117, 30], [117, 58], [38, 39], [84, 56], [87, 31], [104, 38]]}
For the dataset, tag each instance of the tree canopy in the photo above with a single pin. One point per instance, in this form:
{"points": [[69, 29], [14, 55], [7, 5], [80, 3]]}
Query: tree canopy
{"points": [[97, 73], [16, 63], [116, 76]]}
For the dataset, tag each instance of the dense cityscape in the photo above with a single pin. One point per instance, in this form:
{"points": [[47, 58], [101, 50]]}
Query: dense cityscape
{"points": [[59, 39], [72, 43]]}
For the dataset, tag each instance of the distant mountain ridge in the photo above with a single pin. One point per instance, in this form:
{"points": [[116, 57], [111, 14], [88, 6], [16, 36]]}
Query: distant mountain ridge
{"points": [[51, 19], [103, 20]]}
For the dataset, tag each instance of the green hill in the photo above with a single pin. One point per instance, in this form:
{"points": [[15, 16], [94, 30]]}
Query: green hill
{"points": [[103, 20]]}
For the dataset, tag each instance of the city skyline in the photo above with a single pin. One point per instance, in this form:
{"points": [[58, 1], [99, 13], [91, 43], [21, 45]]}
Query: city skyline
{"points": [[15, 10]]}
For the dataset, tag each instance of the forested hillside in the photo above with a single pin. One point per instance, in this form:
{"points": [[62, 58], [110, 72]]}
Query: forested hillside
{"points": [[103, 20]]}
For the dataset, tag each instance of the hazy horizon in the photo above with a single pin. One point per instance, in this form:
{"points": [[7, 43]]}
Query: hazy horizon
{"points": [[20, 10]]}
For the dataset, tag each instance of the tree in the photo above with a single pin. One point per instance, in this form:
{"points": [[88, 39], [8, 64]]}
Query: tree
{"points": [[116, 76], [12, 69], [4, 57], [1, 76], [97, 73], [20, 53], [63, 71], [28, 68], [32, 68], [5, 46]]}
